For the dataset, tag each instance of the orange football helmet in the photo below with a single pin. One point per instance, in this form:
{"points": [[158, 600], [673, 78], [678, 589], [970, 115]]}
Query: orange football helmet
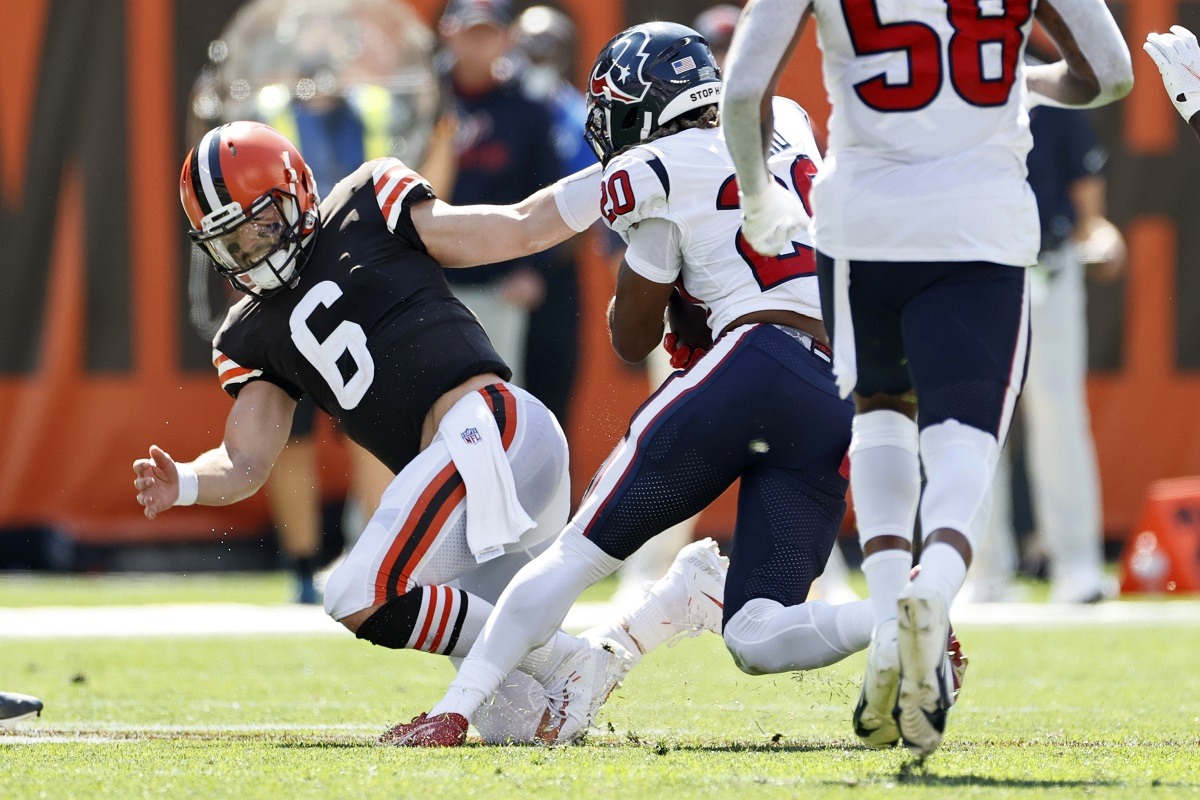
{"points": [[252, 204]]}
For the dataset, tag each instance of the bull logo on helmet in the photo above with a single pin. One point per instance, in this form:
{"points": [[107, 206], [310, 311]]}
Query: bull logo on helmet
{"points": [[622, 80]]}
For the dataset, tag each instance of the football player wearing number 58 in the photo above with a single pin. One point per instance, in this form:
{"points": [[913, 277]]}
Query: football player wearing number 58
{"points": [[346, 302], [924, 225], [1178, 58]]}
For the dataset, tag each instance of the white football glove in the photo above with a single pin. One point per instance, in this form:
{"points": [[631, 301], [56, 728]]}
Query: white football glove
{"points": [[1178, 58], [772, 220]]}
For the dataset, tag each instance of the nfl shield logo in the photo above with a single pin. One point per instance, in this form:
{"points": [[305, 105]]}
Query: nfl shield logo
{"points": [[471, 436]]}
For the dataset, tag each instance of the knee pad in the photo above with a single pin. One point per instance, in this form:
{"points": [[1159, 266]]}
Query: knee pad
{"points": [[748, 638], [885, 474], [960, 462], [338, 602], [739, 636], [392, 623], [883, 428]]}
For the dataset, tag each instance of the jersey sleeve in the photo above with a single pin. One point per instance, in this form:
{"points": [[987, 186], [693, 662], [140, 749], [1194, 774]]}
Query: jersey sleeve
{"points": [[397, 189], [654, 250], [234, 377], [635, 187]]}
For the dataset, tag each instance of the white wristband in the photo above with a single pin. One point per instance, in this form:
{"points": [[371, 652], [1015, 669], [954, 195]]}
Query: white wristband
{"points": [[189, 485]]}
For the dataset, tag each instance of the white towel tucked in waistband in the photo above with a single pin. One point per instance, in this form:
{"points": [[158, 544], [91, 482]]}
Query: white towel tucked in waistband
{"points": [[495, 517], [845, 365]]}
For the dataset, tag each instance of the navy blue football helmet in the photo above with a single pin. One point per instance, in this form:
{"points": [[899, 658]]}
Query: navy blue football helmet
{"points": [[645, 77]]}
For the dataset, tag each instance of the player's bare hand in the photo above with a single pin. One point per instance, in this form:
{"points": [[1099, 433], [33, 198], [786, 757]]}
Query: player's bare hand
{"points": [[157, 482], [771, 221], [1178, 58], [1103, 252]]}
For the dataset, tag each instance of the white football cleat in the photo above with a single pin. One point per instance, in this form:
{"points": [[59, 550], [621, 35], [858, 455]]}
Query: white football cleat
{"points": [[579, 688], [873, 716], [692, 593], [927, 674]]}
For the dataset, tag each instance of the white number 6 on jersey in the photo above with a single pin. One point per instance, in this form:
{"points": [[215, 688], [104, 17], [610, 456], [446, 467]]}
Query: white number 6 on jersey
{"points": [[347, 338]]}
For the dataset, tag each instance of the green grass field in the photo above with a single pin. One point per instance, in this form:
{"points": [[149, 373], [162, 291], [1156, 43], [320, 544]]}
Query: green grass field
{"points": [[1102, 711]]}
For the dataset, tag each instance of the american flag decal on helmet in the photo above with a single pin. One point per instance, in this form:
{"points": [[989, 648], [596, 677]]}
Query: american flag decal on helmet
{"points": [[393, 183], [683, 65]]}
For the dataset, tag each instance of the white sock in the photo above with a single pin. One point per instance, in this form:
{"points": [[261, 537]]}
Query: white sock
{"points": [[886, 572], [943, 568], [616, 631], [766, 637], [649, 625], [541, 663], [885, 477], [477, 680]]}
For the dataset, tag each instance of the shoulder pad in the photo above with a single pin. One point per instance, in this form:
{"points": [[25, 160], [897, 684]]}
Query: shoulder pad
{"points": [[793, 130], [636, 186], [397, 186]]}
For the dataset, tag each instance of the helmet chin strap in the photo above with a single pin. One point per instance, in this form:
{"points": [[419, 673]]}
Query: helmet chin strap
{"points": [[270, 274]]}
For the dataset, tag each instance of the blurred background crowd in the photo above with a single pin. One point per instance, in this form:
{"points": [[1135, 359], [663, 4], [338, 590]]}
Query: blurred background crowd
{"points": [[106, 311]]}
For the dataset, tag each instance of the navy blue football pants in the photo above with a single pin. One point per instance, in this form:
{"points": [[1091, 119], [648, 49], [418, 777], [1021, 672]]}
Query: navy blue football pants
{"points": [[761, 406]]}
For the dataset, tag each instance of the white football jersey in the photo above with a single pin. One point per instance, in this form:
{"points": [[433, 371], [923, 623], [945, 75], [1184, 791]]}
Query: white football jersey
{"points": [[675, 202], [928, 137]]}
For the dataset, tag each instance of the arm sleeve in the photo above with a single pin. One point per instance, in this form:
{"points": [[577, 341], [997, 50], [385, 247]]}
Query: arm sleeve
{"points": [[654, 251], [1100, 41], [397, 189], [759, 44]]}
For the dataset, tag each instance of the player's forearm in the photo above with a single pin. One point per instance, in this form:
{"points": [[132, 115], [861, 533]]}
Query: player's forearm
{"points": [[761, 46], [632, 342], [1096, 68], [1088, 197], [226, 478], [467, 236]]}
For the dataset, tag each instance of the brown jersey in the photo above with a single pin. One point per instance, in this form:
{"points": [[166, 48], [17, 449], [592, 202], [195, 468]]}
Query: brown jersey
{"points": [[371, 329]]}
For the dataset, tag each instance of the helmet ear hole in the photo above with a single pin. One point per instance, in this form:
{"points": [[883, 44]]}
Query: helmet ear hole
{"points": [[630, 120]]}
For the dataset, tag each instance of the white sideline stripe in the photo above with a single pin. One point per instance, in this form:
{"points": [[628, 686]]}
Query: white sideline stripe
{"points": [[225, 619], [109, 733]]}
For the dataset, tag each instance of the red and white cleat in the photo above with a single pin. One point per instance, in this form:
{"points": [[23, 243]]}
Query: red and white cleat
{"points": [[443, 730]]}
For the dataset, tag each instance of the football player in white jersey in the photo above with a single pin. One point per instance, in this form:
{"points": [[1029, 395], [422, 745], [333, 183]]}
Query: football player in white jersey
{"points": [[760, 405], [923, 225]]}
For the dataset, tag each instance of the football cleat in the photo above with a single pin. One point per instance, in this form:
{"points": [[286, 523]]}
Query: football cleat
{"points": [[692, 593], [579, 688], [928, 675], [442, 730], [16, 707], [873, 721]]}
